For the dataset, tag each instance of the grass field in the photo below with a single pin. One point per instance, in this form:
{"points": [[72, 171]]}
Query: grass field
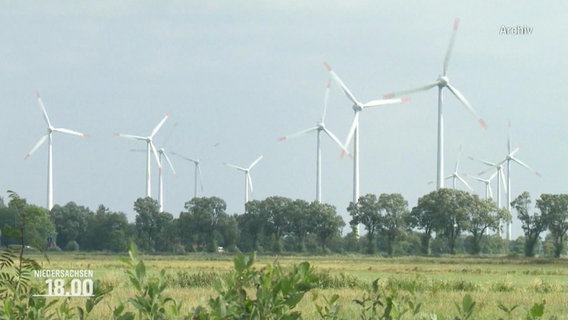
{"points": [[436, 282]]}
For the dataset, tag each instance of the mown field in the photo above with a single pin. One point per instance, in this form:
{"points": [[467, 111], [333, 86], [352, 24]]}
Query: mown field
{"points": [[436, 282]]}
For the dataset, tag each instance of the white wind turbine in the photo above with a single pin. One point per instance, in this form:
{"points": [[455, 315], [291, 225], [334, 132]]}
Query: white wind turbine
{"points": [[354, 130], [443, 82], [318, 129], [49, 137], [487, 183], [500, 181], [162, 153], [196, 173], [150, 148], [248, 180], [456, 176], [511, 157]]}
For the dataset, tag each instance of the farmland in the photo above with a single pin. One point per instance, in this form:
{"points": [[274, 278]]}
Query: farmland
{"points": [[435, 282]]}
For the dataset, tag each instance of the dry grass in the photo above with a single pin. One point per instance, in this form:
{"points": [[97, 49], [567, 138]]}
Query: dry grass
{"points": [[436, 281]]}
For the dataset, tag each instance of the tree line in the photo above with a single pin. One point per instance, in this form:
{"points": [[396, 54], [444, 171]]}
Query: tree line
{"points": [[443, 221]]}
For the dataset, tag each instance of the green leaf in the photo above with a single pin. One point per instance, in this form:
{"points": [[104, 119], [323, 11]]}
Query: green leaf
{"points": [[537, 310]]}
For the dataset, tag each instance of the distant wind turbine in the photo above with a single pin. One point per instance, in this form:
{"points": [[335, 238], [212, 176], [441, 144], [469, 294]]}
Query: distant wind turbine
{"points": [[508, 159], [150, 148], [318, 129], [487, 183], [500, 182], [248, 179], [196, 174], [354, 130], [443, 82], [456, 176], [49, 137]]}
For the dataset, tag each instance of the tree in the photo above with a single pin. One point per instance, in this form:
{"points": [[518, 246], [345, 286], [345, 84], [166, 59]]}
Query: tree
{"points": [[152, 225], [300, 223], [275, 211], [533, 224], [25, 223], [443, 211], [425, 216], [366, 212], [251, 227], [554, 210], [326, 222], [200, 225], [483, 215], [393, 216], [106, 230], [70, 222]]}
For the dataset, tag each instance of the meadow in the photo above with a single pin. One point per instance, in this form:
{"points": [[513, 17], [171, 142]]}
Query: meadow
{"points": [[435, 282]]}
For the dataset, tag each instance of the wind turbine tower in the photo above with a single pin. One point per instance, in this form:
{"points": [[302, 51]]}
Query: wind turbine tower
{"points": [[49, 138], [443, 82], [318, 129], [248, 179], [150, 149]]}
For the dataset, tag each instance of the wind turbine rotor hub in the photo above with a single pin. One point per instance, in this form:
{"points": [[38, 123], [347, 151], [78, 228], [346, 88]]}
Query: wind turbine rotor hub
{"points": [[357, 108], [443, 81]]}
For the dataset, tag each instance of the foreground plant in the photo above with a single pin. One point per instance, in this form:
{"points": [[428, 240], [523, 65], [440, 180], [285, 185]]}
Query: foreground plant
{"points": [[274, 292], [150, 300]]}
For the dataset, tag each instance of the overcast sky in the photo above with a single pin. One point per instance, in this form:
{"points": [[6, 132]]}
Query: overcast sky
{"points": [[236, 75]]}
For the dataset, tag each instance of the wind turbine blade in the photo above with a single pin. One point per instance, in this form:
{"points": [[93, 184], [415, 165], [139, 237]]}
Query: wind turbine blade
{"points": [[298, 134], [169, 162], [525, 165], [234, 166], [255, 162], [249, 182], [464, 182], [382, 102], [509, 136], [334, 138], [341, 84], [458, 159], [490, 191], [130, 136], [159, 125], [354, 125], [42, 107], [466, 103], [169, 136], [450, 47], [153, 148], [63, 130], [514, 151], [325, 100], [421, 88], [199, 176], [502, 176], [37, 145], [184, 157]]}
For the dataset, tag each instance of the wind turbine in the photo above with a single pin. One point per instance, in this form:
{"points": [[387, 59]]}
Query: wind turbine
{"points": [[150, 148], [318, 129], [487, 182], [354, 130], [248, 180], [196, 174], [162, 153], [500, 181], [443, 82], [49, 137], [456, 176], [511, 157]]}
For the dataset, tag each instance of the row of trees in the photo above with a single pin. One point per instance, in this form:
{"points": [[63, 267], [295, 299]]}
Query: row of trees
{"points": [[443, 221]]}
